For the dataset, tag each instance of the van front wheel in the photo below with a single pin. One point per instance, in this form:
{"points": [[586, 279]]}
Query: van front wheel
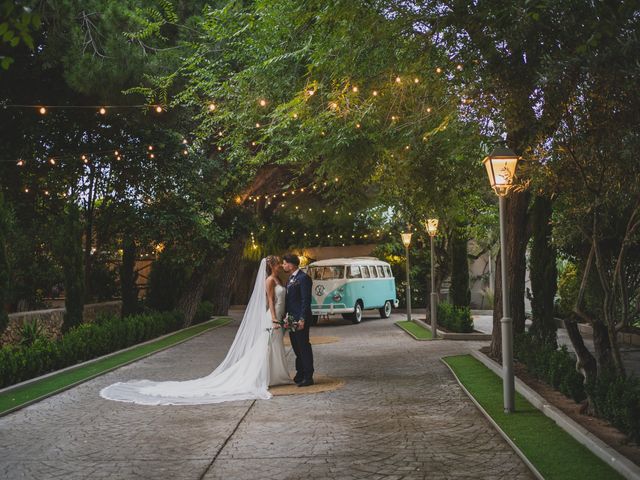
{"points": [[357, 313], [385, 312]]}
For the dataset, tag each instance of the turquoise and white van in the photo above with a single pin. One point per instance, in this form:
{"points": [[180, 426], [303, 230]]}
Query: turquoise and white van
{"points": [[350, 285]]}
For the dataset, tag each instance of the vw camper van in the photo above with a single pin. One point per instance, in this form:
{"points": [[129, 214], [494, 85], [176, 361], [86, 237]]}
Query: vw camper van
{"points": [[350, 285]]}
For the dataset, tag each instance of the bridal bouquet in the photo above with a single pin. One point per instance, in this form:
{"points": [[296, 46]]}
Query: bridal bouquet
{"points": [[288, 323]]}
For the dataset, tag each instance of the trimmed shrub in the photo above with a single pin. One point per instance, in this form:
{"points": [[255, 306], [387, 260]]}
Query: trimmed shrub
{"points": [[618, 400], [554, 366], [203, 313], [455, 319], [81, 343]]}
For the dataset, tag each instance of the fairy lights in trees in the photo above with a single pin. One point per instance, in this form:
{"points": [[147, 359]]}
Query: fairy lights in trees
{"points": [[438, 70], [212, 107], [42, 111], [374, 93], [398, 80], [263, 102], [158, 109], [52, 161], [102, 111]]}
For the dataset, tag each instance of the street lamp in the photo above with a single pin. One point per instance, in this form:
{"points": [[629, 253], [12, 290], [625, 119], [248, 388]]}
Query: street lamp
{"points": [[406, 241], [432, 229], [501, 166]]}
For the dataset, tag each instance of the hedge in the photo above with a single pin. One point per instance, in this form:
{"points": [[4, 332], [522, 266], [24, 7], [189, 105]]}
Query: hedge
{"points": [[455, 319], [614, 398], [84, 342]]}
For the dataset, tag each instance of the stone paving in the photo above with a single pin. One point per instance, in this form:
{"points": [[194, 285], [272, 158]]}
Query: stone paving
{"points": [[400, 415]]}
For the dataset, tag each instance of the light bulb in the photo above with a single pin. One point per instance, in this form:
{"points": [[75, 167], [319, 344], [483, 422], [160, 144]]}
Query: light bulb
{"points": [[263, 102], [212, 107], [42, 111], [158, 109], [375, 93], [398, 80], [102, 111]]}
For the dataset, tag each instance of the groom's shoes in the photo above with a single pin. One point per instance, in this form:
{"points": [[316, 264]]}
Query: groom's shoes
{"points": [[298, 379], [306, 382]]}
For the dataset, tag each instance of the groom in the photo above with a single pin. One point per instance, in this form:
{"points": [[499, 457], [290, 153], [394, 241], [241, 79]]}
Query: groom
{"points": [[298, 304]]}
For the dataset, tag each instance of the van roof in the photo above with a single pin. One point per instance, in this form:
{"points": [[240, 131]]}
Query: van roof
{"points": [[348, 261]]}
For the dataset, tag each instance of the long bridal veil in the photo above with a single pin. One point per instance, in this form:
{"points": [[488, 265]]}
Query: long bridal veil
{"points": [[242, 375]]}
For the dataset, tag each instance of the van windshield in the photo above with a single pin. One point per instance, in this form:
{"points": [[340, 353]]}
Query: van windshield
{"points": [[326, 273]]}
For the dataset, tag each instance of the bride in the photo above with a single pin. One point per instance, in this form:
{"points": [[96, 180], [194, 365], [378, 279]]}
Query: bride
{"points": [[255, 360]]}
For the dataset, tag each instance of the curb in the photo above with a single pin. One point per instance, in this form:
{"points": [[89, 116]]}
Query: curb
{"points": [[515, 448], [607, 454], [97, 359]]}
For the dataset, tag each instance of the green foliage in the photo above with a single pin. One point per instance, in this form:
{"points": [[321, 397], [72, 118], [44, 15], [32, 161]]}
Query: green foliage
{"points": [[81, 343], [454, 318], [30, 332], [459, 292], [568, 287], [5, 224], [550, 364], [203, 313], [18, 22], [68, 244], [543, 272], [617, 399], [165, 281]]}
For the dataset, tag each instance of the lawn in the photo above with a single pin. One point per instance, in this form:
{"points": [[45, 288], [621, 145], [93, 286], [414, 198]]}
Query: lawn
{"points": [[416, 331], [554, 453], [38, 390]]}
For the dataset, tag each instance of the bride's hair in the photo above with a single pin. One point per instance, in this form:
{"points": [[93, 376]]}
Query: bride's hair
{"points": [[271, 261]]}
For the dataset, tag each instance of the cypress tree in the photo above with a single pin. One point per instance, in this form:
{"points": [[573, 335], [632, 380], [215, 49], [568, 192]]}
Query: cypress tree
{"points": [[459, 291], [543, 272]]}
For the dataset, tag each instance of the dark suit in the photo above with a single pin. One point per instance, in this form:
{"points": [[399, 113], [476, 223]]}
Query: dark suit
{"points": [[298, 304]]}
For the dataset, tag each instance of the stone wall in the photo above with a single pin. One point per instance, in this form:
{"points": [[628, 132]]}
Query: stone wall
{"points": [[51, 320]]}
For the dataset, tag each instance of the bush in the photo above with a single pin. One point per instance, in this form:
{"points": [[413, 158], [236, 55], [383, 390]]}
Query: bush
{"points": [[554, 366], [455, 319], [617, 399], [203, 313], [81, 343]]}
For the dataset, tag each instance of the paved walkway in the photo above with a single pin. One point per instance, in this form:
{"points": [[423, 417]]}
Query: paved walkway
{"points": [[401, 415]]}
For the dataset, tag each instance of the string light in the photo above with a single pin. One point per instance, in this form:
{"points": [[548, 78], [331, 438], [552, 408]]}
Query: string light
{"points": [[150, 147], [459, 67], [375, 93], [158, 109], [398, 80], [52, 161], [20, 163], [102, 111], [355, 89], [212, 107], [42, 110], [257, 125], [263, 102], [416, 80], [438, 70]]}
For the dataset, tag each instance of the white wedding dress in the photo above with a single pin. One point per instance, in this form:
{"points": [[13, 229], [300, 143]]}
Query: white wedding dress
{"points": [[255, 360]]}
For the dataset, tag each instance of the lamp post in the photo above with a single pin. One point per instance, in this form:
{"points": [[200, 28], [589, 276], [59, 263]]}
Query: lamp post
{"points": [[432, 229], [501, 166], [406, 241]]}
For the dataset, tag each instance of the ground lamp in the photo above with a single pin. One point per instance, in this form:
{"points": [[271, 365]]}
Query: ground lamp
{"points": [[432, 229], [501, 166], [406, 241]]}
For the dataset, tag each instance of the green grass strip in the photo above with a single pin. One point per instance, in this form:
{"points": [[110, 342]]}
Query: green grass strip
{"points": [[554, 453], [416, 331], [38, 390]]}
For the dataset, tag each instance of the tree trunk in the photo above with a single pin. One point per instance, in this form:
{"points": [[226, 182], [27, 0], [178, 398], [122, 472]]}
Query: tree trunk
{"points": [[129, 291], [190, 299], [88, 234], [226, 277], [543, 272], [586, 363], [602, 347], [460, 294], [516, 247]]}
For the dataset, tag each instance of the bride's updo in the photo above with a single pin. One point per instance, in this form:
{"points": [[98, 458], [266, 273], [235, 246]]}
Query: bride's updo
{"points": [[272, 260]]}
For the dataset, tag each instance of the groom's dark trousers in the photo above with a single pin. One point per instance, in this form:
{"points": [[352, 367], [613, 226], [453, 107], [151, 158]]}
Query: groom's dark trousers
{"points": [[298, 304]]}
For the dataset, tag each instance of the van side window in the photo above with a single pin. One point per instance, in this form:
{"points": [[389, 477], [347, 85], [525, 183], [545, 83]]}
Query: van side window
{"points": [[365, 271], [374, 273], [380, 271], [387, 270], [354, 272]]}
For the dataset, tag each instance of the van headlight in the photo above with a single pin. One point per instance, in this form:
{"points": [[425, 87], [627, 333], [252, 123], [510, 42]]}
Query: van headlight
{"points": [[337, 297]]}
